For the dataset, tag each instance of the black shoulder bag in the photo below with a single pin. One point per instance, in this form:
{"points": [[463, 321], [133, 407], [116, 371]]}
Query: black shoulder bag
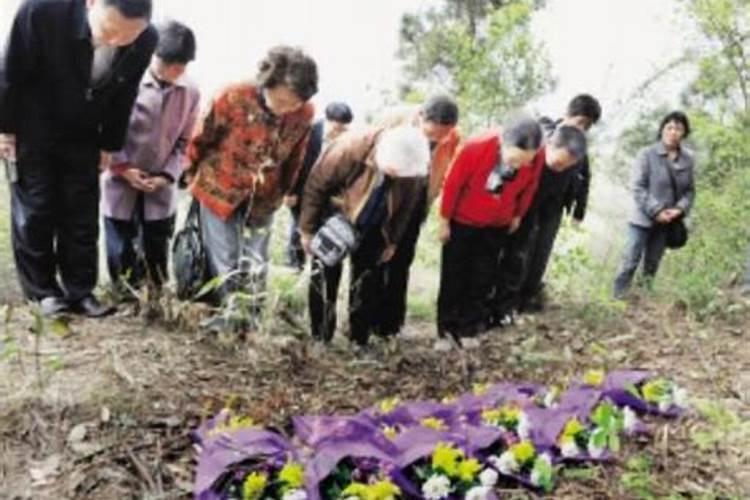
{"points": [[188, 256]]}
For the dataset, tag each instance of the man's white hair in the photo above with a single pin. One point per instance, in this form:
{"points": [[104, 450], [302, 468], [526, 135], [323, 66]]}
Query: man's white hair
{"points": [[403, 151]]}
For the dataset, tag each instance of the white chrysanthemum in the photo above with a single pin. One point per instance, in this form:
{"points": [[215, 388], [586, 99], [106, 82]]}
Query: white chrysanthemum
{"points": [[295, 495], [478, 493], [570, 449], [665, 405], [507, 463], [595, 451], [630, 420], [524, 427], [545, 457], [681, 397], [488, 477], [436, 488], [550, 399], [494, 461]]}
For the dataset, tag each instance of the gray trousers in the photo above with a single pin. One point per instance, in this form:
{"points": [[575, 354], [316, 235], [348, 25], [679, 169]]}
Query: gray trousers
{"points": [[236, 251], [645, 244]]}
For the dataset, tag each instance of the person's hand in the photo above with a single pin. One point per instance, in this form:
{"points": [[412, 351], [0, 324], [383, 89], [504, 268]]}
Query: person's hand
{"points": [[305, 240], [663, 217], [514, 225], [157, 182], [388, 253], [105, 160], [291, 201], [8, 146], [673, 213], [137, 178], [444, 231]]}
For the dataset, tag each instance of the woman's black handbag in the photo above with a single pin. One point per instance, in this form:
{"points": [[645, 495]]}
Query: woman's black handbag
{"points": [[189, 262], [676, 234], [676, 231]]}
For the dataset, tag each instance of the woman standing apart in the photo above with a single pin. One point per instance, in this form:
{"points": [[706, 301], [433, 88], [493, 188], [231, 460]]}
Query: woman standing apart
{"points": [[664, 190], [245, 159]]}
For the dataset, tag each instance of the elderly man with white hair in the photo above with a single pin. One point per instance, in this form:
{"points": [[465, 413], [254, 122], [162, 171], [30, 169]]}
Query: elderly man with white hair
{"points": [[372, 179]]}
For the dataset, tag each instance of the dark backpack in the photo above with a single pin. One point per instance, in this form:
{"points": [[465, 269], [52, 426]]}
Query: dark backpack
{"points": [[189, 262]]}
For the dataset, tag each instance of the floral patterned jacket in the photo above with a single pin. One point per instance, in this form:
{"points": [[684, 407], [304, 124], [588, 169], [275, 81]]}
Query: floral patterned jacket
{"points": [[241, 151]]}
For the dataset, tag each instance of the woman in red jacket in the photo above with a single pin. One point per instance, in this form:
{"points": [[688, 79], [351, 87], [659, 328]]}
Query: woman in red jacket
{"points": [[489, 189]]}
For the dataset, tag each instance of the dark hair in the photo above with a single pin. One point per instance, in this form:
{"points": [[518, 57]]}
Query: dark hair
{"points": [[675, 116], [524, 133], [440, 109], [570, 138], [585, 105], [132, 9], [339, 112], [284, 65], [176, 43]]}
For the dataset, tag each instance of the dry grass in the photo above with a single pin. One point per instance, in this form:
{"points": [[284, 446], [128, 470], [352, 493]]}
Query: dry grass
{"points": [[109, 411]]}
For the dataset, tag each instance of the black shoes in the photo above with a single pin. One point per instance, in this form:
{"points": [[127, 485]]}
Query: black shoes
{"points": [[90, 306]]}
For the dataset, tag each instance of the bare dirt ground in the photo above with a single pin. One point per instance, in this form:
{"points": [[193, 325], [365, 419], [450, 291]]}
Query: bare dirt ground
{"points": [[103, 410]]}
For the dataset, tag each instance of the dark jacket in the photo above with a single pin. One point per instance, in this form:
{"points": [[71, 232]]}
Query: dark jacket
{"points": [[652, 186], [343, 180], [314, 147], [46, 95], [568, 189]]}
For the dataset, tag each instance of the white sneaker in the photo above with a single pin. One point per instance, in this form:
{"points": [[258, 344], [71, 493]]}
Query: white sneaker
{"points": [[442, 345], [470, 343]]}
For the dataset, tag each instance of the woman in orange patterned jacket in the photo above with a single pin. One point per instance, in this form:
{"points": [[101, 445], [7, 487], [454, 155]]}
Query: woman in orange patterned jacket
{"points": [[245, 158]]}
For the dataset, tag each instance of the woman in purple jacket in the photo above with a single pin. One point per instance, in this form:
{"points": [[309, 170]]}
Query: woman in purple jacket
{"points": [[139, 189]]}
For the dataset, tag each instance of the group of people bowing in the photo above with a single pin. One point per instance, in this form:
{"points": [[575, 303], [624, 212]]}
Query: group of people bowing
{"points": [[97, 114]]}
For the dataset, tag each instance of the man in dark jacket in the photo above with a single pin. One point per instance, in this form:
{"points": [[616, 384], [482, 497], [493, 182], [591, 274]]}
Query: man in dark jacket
{"points": [[338, 116], [68, 80], [523, 267]]}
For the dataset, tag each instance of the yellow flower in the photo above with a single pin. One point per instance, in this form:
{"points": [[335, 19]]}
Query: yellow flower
{"points": [[481, 389], [594, 377], [390, 432], [491, 416], [447, 458], [468, 470], [254, 486], [572, 428], [357, 490], [507, 416], [388, 405], [450, 398], [655, 390], [293, 475], [433, 423], [523, 452], [236, 422], [384, 490]]}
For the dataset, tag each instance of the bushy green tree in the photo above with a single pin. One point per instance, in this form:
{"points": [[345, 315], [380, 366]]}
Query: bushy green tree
{"points": [[483, 52]]}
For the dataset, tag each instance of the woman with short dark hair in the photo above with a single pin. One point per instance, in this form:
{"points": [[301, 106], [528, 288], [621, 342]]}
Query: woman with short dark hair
{"points": [[664, 190], [245, 159]]}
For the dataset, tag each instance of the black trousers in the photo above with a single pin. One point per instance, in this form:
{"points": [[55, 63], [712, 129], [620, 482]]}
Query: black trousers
{"points": [[468, 271], [396, 273], [540, 251], [365, 290], [295, 254], [138, 249], [513, 261], [54, 219]]}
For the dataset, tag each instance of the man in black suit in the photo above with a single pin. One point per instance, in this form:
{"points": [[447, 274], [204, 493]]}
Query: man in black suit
{"points": [[68, 79]]}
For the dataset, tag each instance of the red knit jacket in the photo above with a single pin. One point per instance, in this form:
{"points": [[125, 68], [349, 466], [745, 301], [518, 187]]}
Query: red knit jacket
{"points": [[465, 199]]}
